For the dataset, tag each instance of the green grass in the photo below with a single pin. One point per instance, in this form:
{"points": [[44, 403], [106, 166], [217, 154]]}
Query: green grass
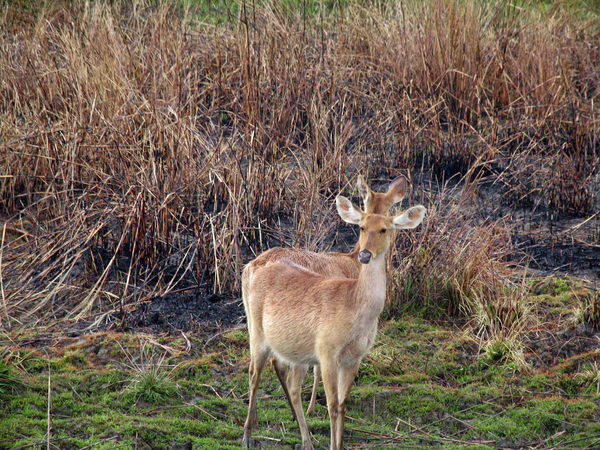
{"points": [[422, 385]]}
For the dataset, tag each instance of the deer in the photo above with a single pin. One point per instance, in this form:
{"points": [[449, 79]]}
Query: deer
{"points": [[304, 318], [333, 264]]}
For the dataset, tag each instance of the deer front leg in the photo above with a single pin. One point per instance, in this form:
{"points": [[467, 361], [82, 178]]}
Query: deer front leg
{"points": [[345, 380], [329, 372]]}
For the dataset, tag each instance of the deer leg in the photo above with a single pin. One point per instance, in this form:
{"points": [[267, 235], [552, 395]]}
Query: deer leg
{"points": [[313, 398], [258, 359], [283, 371], [329, 372], [295, 378], [345, 380]]}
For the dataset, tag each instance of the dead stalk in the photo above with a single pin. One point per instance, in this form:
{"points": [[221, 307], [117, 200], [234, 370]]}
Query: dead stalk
{"points": [[8, 324]]}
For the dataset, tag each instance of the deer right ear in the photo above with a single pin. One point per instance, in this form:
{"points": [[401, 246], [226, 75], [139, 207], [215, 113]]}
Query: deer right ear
{"points": [[347, 211]]}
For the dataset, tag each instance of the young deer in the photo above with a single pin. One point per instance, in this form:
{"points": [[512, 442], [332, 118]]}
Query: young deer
{"points": [[331, 264], [303, 318]]}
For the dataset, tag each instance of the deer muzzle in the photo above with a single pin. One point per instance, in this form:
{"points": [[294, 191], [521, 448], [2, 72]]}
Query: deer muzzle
{"points": [[365, 256]]}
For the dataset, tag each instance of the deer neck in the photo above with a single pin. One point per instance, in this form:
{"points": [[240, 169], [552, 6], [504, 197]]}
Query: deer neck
{"points": [[371, 285]]}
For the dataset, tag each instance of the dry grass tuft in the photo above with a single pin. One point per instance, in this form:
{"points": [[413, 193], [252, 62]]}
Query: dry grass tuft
{"points": [[588, 310], [453, 267]]}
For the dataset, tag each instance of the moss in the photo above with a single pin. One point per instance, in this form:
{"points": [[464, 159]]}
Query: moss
{"points": [[236, 337], [467, 447], [554, 286]]}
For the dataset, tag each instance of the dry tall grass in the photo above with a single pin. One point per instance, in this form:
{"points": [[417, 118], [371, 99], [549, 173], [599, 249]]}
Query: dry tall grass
{"points": [[145, 150]]}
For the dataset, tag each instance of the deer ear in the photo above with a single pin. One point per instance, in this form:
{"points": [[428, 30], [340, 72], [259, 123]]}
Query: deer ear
{"points": [[397, 190], [411, 218], [347, 211], [363, 189]]}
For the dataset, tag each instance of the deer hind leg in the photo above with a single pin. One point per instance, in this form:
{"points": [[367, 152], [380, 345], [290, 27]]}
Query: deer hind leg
{"points": [[294, 380], [313, 398], [282, 371], [258, 359]]}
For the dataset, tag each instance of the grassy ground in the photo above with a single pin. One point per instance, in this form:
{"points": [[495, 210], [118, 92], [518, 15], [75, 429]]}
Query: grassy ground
{"points": [[422, 386]]}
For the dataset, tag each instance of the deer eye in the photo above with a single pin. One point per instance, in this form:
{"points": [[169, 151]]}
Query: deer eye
{"points": [[362, 228], [383, 231]]}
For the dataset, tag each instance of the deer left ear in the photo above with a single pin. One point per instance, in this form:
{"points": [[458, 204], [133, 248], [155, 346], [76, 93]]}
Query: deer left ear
{"points": [[411, 218], [347, 211]]}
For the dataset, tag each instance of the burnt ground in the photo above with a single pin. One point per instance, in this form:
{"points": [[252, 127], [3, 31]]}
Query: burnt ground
{"points": [[559, 255], [186, 311], [199, 310]]}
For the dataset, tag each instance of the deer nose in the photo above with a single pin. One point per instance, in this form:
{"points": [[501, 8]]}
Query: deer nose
{"points": [[365, 256]]}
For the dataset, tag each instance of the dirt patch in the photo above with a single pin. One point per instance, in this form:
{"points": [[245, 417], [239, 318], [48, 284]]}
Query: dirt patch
{"points": [[551, 347]]}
